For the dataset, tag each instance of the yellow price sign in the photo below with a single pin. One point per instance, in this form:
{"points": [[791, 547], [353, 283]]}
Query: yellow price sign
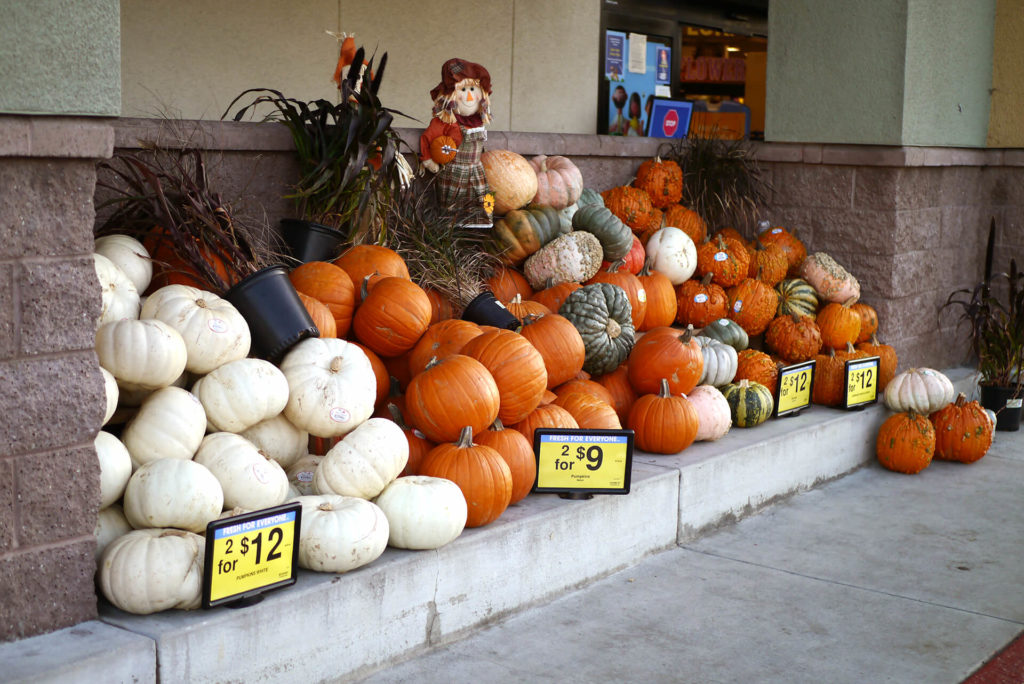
{"points": [[861, 385], [583, 461], [795, 386], [249, 554]]}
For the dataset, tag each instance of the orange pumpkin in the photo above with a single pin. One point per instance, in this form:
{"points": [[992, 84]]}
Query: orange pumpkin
{"points": [[419, 446], [517, 368], [441, 308], [479, 471], [440, 340], [839, 325], [320, 314], [380, 372], [662, 180], [360, 261], [663, 423], [450, 394], [699, 302], [962, 431], [758, 367], [905, 443], [585, 386], [443, 149], [546, 416], [517, 453], [559, 344], [521, 308], [790, 243], [553, 295], [795, 338], [726, 259], [590, 413], [665, 354], [630, 284], [631, 205], [768, 263], [621, 392], [506, 282], [752, 304], [392, 317], [887, 360], [332, 286], [661, 298], [868, 321], [687, 221]]}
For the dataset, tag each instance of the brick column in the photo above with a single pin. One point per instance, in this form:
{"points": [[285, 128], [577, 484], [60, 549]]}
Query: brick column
{"points": [[51, 405]]}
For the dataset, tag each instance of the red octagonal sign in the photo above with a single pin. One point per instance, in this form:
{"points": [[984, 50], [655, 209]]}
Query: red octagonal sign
{"points": [[670, 123]]}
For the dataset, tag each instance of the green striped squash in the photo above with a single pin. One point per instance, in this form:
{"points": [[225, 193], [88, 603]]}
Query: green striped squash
{"points": [[797, 296], [750, 403]]}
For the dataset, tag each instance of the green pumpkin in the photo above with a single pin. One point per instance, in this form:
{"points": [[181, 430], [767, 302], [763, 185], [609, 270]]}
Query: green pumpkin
{"points": [[553, 216], [750, 403], [590, 196], [728, 331], [521, 232], [615, 236], [797, 296], [604, 319]]}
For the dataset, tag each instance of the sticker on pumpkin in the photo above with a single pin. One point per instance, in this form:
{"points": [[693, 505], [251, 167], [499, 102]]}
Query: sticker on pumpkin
{"points": [[738, 305], [641, 295], [340, 415], [700, 298], [304, 476], [419, 434], [776, 231], [720, 256], [218, 325], [259, 471]]}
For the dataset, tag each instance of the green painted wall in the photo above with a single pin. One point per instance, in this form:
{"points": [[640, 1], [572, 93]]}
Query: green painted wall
{"points": [[880, 72], [60, 57]]}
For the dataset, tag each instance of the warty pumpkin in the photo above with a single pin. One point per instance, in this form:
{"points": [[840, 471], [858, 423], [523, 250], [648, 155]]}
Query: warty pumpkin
{"points": [[830, 280], [726, 259], [663, 423], [632, 205], [756, 366], [795, 338], [575, 257], [962, 431], [767, 263], [699, 302], [662, 180], [522, 232], [687, 221], [479, 471], [752, 304], [790, 243], [905, 443]]}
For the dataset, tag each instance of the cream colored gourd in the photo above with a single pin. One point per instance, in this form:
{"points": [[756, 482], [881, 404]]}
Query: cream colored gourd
{"points": [[672, 252], [129, 255], [559, 181], [365, 461], [119, 298], [571, 258], [145, 354], [720, 362], [214, 331], [921, 390], [302, 472], [714, 418], [110, 524], [279, 439], [173, 493], [331, 386], [115, 467], [111, 392], [170, 424], [423, 512], [242, 393], [147, 571], [340, 533], [249, 478], [129, 396]]}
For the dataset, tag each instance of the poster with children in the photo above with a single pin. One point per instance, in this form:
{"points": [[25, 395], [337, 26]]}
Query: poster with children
{"points": [[631, 93]]}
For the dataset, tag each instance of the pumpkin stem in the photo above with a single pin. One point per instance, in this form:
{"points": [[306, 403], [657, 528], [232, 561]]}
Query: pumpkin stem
{"points": [[325, 506], [706, 280], [497, 425], [518, 299], [796, 317], [961, 400], [664, 393], [433, 362], [201, 303], [687, 334], [336, 363], [364, 288], [849, 348], [851, 301], [465, 438], [614, 266], [613, 328], [396, 415]]}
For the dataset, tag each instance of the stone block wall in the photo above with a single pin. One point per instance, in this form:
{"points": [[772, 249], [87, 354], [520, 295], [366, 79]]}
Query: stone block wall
{"points": [[910, 224], [52, 401]]}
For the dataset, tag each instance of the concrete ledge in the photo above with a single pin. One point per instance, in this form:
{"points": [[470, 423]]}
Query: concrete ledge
{"points": [[88, 652]]}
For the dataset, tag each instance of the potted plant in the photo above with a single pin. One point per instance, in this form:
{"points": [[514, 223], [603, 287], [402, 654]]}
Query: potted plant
{"points": [[349, 157], [993, 311], [442, 255], [164, 199]]}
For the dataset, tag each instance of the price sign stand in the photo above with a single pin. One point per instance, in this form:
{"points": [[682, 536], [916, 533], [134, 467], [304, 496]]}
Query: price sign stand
{"points": [[795, 388], [860, 383], [576, 464], [250, 554]]}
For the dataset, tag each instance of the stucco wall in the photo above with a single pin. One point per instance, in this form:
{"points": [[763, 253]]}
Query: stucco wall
{"points": [[60, 57], [1006, 124], [540, 55]]}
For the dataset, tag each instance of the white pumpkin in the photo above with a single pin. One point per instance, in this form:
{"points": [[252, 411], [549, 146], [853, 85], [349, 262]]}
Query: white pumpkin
{"points": [[147, 354], [119, 298], [279, 439], [340, 533], [147, 571], [714, 418], [249, 478], [170, 424], [672, 252], [173, 493], [241, 393], [423, 512], [365, 461], [214, 331], [130, 256], [110, 524], [302, 473], [331, 386], [111, 392], [922, 390], [129, 395], [720, 361], [115, 467]]}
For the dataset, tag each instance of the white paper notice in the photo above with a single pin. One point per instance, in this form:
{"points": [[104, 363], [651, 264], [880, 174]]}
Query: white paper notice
{"points": [[662, 91], [637, 53]]}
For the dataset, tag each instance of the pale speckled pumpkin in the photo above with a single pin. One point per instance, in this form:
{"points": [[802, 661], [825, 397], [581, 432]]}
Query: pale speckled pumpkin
{"points": [[575, 257]]}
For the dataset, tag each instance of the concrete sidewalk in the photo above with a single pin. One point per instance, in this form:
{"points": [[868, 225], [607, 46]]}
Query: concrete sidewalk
{"points": [[877, 577]]}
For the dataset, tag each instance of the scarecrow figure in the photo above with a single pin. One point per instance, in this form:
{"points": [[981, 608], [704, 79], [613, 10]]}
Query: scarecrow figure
{"points": [[454, 141]]}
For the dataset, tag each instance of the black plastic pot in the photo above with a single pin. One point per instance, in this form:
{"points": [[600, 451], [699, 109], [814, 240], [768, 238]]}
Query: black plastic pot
{"points": [[308, 241], [485, 309], [276, 316], [1008, 409]]}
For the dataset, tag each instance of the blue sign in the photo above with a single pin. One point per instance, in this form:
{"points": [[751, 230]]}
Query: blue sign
{"points": [[614, 55], [664, 71], [669, 118]]}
